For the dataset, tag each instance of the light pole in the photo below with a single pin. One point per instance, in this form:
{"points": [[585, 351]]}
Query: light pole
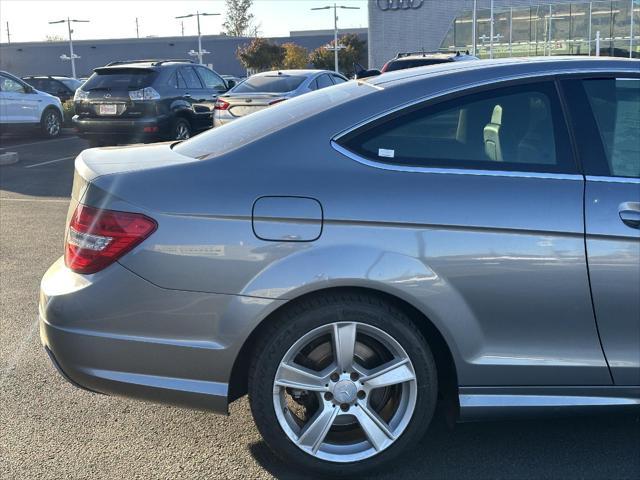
{"points": [[200, 52], [72, 56], [474, 34], [335, 28], [491, 32]]}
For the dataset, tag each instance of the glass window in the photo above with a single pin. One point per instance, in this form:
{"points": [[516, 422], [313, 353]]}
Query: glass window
{"points": [[181, 83], [324, 81], [211, 80], [616, 108], [513, 128], [71, 83], [10, 85], [337, 79], [190, 77], [270, 83], [119, 78]]}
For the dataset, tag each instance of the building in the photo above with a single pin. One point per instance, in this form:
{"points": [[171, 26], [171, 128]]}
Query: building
{"points": [[521, 27], [38, 58]]}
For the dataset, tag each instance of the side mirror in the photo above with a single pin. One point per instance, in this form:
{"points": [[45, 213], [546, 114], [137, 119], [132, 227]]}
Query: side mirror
{"points": [[231, 84], [28, 89], [367, 73]]}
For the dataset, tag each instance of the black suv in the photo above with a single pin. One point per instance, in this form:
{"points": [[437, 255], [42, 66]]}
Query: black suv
{"points": [[58, 86], [146, 100], [417, 59]]}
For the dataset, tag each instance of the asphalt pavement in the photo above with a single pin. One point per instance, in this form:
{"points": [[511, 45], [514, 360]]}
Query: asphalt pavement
{"points": [[52, 430]]}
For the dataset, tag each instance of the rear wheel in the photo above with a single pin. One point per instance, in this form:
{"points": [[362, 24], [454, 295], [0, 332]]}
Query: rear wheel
{"points": [[342, 384], [181, 129], [51, 123]]}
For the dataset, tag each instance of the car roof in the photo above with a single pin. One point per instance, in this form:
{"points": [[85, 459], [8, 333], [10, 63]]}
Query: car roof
{"points": [[433, 55], [294, 72], [505, 68]]}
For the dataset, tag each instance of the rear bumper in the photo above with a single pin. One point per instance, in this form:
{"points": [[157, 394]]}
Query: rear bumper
{"points": [[133, 128], [115, 333]]}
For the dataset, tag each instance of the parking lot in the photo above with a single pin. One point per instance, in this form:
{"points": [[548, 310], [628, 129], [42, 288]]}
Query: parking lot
{"points": [[50, 429]]}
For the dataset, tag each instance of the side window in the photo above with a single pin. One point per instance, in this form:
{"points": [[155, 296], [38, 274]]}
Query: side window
{"points": [[517, 128], [181, 82], [190, 78], [10, 85], [323, 81], [313, 85], [173, 80], [211, 80], [337, 79], [615, 104]]}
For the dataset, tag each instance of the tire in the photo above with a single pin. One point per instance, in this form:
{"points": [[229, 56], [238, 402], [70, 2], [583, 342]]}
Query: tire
{"points": [[51, 123], [320, 320], [95, 143], [181, 129]]}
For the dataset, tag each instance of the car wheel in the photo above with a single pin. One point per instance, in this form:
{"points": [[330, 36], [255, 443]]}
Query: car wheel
{"points": [[342, 384], [181, 129], [51, 123]]}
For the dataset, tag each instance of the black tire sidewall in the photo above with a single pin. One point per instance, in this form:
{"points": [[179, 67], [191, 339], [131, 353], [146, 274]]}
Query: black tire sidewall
{"points": [[306, 317], [43, 120]]}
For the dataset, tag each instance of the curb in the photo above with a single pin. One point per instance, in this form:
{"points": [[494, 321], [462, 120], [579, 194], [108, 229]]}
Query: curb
{"points": [[9, 158]]}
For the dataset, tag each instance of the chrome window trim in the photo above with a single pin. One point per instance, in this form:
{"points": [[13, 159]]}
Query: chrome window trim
{"points": [[609, 179], [452, 171], [470, 86]]}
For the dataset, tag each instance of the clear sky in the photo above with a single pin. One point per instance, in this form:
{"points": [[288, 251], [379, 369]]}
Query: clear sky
{"points": [[28, 19]]}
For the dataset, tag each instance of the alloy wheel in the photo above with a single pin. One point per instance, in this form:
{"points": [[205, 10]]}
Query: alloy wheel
{"points": [[52, 124], [345, 391], [182, 131]]}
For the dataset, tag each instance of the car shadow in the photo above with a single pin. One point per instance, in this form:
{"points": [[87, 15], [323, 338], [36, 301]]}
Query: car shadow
{"points": [[581, 447]]}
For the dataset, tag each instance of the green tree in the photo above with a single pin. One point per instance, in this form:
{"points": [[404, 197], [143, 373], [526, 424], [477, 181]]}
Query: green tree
{"points": [[260, 55], [355, 51], [295, 56], [239, 21]]}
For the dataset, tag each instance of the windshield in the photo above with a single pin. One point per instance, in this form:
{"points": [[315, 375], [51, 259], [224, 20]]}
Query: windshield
{"points": [[220, 140], [119, 79], [269, 84], [419, 62], [71, 83]]}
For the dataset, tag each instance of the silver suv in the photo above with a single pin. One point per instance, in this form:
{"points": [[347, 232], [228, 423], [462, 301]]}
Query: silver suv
{"points": [[360, 252]]}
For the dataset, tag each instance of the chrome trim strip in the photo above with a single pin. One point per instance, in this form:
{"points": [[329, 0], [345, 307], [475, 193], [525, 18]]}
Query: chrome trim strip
{"points": [[476, 406], [594, 178], [452, 171]]}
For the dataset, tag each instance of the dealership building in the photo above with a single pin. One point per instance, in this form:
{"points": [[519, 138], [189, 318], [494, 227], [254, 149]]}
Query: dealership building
{"points": [[520, 27]]}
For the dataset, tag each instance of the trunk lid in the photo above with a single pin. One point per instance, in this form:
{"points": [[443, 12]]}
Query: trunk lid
{"points": [[242, 104]]}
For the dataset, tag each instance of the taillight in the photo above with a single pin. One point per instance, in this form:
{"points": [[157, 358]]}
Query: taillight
{"points": [[96, 238], [384, 68], [221, 105]]}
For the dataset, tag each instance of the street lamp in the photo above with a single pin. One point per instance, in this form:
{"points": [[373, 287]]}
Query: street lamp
{"points": [[335, 28], [200, 52], [72, 56]]}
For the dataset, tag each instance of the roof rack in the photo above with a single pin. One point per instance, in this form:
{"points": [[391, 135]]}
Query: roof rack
{"points": [[153, 61], [424, 53], [46, 76]]}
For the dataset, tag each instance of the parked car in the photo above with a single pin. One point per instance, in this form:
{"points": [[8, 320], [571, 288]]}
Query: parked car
{"points": [[405, 60], [353, 255], [268, 88], [232, 80], [22, 106], [146, 100], [62, 87]]}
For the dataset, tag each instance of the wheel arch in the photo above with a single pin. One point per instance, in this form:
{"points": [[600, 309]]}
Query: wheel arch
{"points": [[445, 363]]}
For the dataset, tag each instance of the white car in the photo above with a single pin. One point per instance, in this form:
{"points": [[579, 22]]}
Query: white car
{"points": [[21, 106]]}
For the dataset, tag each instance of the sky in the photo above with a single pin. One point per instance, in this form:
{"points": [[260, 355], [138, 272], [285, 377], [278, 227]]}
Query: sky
{"points": [[28, 19]]}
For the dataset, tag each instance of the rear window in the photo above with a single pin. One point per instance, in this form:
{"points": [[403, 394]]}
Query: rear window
{"points": [[418, 62], [71, 83], [269, 84], [220, 140], [120, 79]]}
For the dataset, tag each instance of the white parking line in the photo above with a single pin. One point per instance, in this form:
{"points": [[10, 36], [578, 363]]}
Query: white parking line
{"points": [[40, 142], [50, 161]]}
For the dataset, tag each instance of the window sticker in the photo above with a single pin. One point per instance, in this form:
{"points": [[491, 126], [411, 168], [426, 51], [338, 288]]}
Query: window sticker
{"points": [[385, 152]]}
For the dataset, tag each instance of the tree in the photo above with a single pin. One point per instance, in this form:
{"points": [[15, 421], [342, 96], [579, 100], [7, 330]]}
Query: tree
{"points": [[295, 56], [260, 55], [354, 51], [238, 22]]}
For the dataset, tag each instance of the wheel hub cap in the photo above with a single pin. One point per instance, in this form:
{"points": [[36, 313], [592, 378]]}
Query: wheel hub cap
{"points": [[345, 391]]}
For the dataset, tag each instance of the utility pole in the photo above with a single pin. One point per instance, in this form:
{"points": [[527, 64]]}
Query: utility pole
{"points": [[200, 51], [491, 32], [9, 34], [630, 31], [474, 26], [335, 29], [182, 25], [137, 30], [72, 56]]}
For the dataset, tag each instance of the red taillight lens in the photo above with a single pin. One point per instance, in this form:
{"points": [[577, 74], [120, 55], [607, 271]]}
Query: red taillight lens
{"points": [[221, 105], [96, 238], [384, 68]]}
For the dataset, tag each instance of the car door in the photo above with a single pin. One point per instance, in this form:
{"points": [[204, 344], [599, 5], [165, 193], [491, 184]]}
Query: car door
{"points": [[607, 112], [487, 186], [19, 106], [197, 95]]}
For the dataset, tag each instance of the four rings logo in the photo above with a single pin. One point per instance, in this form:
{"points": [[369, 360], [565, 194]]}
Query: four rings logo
{"points": [[399, 4]]}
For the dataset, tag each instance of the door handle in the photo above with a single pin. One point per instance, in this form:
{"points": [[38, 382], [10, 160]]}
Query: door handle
{"points": [[630, 214], [187, 95]]}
